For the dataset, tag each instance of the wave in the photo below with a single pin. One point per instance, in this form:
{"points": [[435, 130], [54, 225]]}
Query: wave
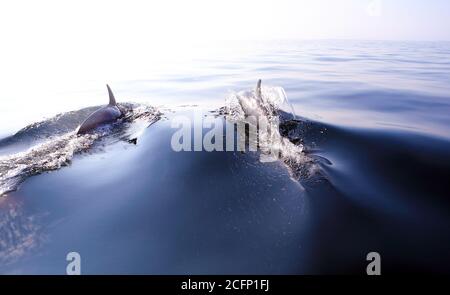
{"points": [[54, 142]]}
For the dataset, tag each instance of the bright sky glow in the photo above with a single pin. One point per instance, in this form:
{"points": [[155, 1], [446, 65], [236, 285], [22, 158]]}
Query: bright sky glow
{"points": [[55, 36], [50, 44]]}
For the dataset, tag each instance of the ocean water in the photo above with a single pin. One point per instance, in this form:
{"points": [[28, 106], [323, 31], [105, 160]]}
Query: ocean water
{"points": [[364, 166]]}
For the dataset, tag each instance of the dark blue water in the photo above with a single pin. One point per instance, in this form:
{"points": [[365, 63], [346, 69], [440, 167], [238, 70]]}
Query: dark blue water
{"points": [[373, 121]]}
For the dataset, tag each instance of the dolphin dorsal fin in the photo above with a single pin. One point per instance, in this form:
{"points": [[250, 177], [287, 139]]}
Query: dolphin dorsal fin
{"points": [[258, 89], [112, 100]]}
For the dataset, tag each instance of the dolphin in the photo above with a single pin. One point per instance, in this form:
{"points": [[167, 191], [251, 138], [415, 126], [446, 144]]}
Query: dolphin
{"points": [[106, 114], [253, 103]]}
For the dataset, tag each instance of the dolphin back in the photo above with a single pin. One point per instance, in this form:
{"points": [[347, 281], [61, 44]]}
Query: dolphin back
{"points": [[106, 114]]}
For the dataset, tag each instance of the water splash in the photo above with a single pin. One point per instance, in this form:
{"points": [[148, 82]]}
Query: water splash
{"points": [[275, 140], [53, 152]]}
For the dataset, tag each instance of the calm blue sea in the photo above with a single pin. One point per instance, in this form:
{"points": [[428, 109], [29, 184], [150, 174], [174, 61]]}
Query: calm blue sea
{"points": [[373, 116]]}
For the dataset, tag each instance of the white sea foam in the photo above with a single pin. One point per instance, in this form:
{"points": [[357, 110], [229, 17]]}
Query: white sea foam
{"points": [[58, 151]]}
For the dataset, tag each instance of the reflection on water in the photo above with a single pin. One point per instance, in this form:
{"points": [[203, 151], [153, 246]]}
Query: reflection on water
{"points": [[20, 233], [354, 83], [371, 117]]}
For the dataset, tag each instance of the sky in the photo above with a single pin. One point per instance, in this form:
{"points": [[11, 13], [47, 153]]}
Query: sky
{"points": [[80, 32], [59, 33], [51, 43], [231, 19]]}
